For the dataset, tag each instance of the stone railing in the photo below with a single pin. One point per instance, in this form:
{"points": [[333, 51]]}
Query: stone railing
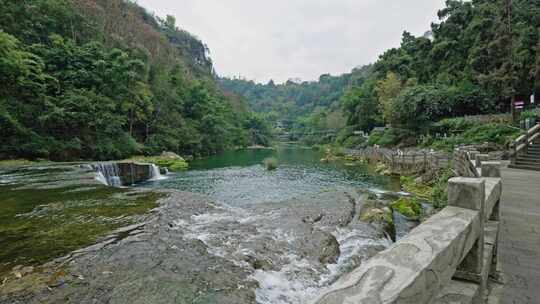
{"points": [[446, 259]]}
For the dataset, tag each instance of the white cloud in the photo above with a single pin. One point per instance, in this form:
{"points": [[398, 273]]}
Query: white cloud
{"points": [[283, 39]]}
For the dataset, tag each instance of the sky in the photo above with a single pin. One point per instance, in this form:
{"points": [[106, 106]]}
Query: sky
{"points": [[283, 39]]}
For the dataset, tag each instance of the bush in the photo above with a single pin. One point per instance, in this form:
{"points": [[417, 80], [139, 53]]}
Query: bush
{"points": [[493, 133], [452, 125], [173, 163], [498, 134], [374, 138], [354, 142], [392, 137], [528, 114], [270, 163], [409, 207]]}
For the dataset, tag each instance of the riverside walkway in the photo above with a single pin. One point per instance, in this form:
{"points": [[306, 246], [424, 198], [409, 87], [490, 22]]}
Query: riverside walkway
{"points": [[520, 236]]}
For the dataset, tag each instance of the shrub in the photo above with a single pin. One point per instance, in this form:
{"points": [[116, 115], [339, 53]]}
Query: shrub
{"points": [[499, 134], [528, 114], [391, 137], [374, 138], [176, 163], [409, 207], [354, 141], [452, 125], [270, 163]]}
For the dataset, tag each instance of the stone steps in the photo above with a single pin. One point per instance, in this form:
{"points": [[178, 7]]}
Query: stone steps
{"points": [[529, 160], [524, 167], [535, 153]]}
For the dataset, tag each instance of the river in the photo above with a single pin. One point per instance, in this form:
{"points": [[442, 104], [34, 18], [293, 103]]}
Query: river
{"points": [[239, 178], [294, 230], [253, 236]]}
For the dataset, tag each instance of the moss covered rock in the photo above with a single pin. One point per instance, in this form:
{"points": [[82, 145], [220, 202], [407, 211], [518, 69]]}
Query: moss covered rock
{"points": [[169, 160]]}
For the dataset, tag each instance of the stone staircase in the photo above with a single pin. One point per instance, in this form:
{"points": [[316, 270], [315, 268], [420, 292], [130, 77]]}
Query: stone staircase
{"points": [[527, 151], [530, 160]]}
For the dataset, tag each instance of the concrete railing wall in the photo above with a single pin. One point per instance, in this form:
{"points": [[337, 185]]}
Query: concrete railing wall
{"points": [[446, 259]]}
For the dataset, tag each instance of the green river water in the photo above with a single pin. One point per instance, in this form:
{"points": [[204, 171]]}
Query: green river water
{"points": [[48, 211], [239, 177]]}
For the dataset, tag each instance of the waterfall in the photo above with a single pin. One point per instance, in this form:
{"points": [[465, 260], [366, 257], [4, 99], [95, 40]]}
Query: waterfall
{"points": [[108, 174], [155, 174]]}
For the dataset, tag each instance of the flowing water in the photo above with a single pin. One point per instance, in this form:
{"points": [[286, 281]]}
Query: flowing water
{"points": [[239, 178], [278, 237], [302, 190]]}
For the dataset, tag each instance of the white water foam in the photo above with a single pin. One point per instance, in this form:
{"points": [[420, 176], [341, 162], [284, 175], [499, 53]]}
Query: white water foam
{"points": [[101, 178], [155, 174], [298, 280]]}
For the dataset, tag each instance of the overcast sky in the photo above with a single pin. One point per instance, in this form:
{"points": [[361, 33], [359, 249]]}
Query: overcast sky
{"points": [[282, 39]]}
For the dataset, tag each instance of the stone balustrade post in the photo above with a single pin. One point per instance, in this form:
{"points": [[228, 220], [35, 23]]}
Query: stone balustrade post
{"points": [[481, 158], [491, 169], [469, 193], [472, 154]]}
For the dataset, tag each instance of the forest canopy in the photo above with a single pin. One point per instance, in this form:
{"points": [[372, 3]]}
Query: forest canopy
{"points": [[104, 79], [470, 62]]}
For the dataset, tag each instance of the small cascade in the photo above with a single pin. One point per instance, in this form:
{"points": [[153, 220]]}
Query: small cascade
{"points": [[155, 174], [108, 174]]}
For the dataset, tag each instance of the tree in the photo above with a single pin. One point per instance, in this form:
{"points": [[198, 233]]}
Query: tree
{"points": [[386, 90]]}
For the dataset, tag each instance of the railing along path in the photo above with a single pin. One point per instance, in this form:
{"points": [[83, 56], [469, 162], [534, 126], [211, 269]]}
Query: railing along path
{"points": [[446, 259]]}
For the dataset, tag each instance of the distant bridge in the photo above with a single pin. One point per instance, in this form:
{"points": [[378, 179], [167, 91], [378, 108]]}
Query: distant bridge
{"points": [[296, 135]]}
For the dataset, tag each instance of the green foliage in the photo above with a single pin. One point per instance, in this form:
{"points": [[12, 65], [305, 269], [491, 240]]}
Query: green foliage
{"points": [[295, 98], [391, 137], [172, 163], [463, 67], [452, 125], [270, 163], [439, 195], [434, 191], [409, 207], [493, 133], [74, 87], [375, 137], [499, 134], [528, 114], [361, 107], [419, 190]]}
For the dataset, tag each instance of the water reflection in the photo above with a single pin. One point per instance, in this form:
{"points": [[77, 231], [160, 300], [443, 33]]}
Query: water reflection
{"points": [[239, 178]]}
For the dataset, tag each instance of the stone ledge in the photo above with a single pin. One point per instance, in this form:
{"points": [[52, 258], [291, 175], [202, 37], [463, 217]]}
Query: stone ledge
{"points": [[458, 292]]}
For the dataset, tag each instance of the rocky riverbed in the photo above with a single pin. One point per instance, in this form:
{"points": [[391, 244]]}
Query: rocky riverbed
{"points": [[192, 249]]}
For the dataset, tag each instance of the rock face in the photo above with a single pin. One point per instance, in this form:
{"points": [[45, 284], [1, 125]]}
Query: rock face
{"points": [[194, 250], [132, 173]]}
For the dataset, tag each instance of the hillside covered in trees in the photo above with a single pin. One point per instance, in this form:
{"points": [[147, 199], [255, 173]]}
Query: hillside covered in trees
{"points": [[104, 79], [472, 63]]}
